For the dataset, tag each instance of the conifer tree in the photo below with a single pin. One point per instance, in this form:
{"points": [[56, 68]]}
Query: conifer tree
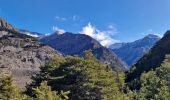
{"points": [[44, 92], [85, 78], [8, 91], [155, 84]]}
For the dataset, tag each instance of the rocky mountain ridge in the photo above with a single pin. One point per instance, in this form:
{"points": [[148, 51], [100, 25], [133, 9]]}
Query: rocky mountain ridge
{"points": [[76, 44], [6, 25], [152, 59], [131, 52], [21, 55]]}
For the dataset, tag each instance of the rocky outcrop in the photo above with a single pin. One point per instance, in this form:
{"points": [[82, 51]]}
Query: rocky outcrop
{"points": [[21, 55], [4, 24]]}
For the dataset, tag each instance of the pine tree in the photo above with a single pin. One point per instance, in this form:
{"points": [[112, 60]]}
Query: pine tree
{"points": [[8, 91], [45, 74], [85, 78], [155, 84], [44, 92]]}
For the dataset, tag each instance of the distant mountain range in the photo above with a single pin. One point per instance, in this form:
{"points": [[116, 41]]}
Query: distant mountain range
{"points": [[117, 45], [152, 59], [131, 52], [75, 44]]}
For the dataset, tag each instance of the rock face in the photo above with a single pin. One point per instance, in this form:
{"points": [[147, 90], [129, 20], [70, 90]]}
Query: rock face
{"points": [[21, 55], [4, 24], [76, 44], [152, 59], [130, 53]]}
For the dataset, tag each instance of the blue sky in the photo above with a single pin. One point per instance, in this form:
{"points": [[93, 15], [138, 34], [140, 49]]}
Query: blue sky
{"points": [[122, 20]]}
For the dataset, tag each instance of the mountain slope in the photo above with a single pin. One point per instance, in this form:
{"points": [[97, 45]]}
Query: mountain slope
{"points": [[76, 44], [152, 59], [6, 25], [21, 55], [132, 52], [116, 45]]}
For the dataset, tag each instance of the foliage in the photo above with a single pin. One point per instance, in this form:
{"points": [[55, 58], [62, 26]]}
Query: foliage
{"points": [[88, 79], [44, 92], [88, 55], [155, 84], [8, 91], [85, 78], [44, 74], [152, 59]]}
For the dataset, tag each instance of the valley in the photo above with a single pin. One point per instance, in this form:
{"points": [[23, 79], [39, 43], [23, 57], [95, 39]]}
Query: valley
{"points": [[84, 50]]}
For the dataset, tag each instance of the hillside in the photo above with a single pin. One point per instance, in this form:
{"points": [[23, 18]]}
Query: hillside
{"points": [[21, 55], [131, 52], [76, 44], [152, 59]]}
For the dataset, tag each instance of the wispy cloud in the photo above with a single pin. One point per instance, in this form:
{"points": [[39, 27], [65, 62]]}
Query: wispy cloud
{"points": [[60, 18], [64, 19], [104, 37], [75, 18]]}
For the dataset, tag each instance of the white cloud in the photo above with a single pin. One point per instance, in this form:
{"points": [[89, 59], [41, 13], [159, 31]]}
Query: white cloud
{"points": [[112, 27], [60, 18], [63, 19], [58, 30], [75, 18], [104, 37], [33, 35]]}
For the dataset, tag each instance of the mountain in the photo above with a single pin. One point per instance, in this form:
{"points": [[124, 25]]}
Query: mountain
{"points": [[21, 55], [116, 45], [6, 25], [76, 44], [152, 59], [131, 52]]}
